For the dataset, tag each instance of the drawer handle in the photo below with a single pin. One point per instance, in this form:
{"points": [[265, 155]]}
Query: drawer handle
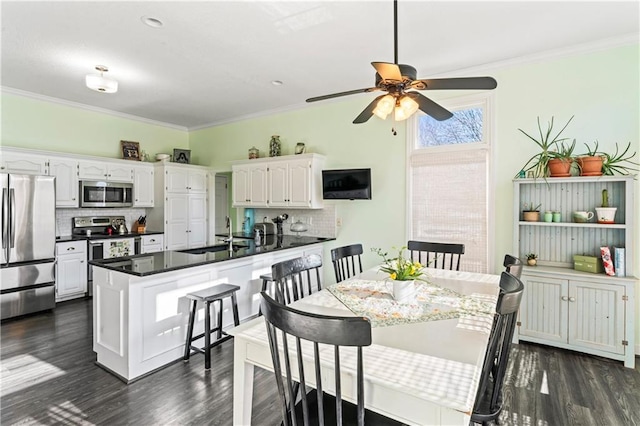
{"points": [[70, 248], [152, 241]]}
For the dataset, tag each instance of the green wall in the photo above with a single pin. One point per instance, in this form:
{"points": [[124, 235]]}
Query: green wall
{"points": [[34, 124]]}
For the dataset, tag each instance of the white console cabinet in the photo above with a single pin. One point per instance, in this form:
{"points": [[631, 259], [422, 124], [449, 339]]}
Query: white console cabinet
{"points": [[71, 270], [288, 181], [563, 307]]}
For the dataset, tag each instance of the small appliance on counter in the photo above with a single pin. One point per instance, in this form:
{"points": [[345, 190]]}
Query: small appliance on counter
{"points": [[278, 221]]}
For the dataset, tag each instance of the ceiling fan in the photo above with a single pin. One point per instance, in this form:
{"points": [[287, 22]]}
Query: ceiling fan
{"points": [[399, 81]]}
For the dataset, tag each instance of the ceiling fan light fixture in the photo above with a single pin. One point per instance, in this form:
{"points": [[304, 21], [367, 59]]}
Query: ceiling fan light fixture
{"points": [[385, 106], [405, 108], [100, 83]]}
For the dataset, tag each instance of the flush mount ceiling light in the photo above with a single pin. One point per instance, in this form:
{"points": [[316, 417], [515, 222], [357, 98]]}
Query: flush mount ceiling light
{"points": [[100, 83], [400, 81]]}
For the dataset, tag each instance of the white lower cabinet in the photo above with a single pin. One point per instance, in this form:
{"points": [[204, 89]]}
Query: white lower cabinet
{"points": [[151, 243], [71, 270], [589, 314]]}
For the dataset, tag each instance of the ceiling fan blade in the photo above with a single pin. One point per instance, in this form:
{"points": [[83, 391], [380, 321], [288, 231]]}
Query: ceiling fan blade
{"points": [[336, 95], [368, 111], [388, 71], [464, 83], [429, 107]]}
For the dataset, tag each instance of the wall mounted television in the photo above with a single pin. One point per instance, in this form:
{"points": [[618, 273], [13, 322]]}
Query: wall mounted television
{"points": [[346, 184]]}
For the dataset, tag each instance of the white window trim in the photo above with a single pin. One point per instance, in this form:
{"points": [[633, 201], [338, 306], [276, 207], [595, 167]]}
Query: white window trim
{"points": [[487, 100]]}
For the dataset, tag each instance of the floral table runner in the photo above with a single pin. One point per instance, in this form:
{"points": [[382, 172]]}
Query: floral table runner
{"points": [[431, 302]]}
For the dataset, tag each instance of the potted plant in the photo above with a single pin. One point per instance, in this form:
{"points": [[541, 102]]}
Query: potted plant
{"points": [[605, 214], [548, 144], [532, 259], [612, 164], [531, 213], [403, 272], [590, 163], [561, 160]]}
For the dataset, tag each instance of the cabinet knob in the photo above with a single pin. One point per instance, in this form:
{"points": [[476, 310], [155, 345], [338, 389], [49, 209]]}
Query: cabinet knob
{"points": [[565, 298], [73, 199], [136, 200], [572, 299], [82, 261]]}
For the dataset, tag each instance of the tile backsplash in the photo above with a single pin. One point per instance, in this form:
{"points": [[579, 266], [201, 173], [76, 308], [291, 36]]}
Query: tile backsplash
{"points": [[64, 216], [320, 222]]}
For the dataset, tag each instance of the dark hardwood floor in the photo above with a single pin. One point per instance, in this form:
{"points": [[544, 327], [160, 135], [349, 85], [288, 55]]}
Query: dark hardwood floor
{"points": [[49, 377]]}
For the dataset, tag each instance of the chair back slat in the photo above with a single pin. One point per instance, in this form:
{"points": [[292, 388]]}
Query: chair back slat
{"points": [[336, 331], [436, 255], [513, 265], [489, 397], [344, 261], [297, 278]]}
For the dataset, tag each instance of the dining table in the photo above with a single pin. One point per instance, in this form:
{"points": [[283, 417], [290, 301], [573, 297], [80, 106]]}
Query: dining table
{"points": [[425, 361]]}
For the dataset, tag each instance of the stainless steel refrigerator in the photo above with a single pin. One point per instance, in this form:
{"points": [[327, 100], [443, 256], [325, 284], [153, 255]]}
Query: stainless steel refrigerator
{"points": [[28, 244]]}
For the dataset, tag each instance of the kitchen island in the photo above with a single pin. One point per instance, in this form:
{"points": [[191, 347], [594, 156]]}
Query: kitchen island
{"points": [[140, 311]]}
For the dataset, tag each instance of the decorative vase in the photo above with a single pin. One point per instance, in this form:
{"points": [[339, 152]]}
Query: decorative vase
{"points": [[274, 146], [403, 290], [532, 262], [254, 153], [606, 214], [559, 167], [590, 166]]}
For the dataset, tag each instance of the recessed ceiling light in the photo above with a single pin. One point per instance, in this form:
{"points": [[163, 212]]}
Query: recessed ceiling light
{"points": [[277, 83], [152, 22]]}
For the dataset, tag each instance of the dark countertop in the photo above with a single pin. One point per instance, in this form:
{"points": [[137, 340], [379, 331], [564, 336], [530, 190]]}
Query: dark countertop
{"points": [[65, 238], [156, 263]]}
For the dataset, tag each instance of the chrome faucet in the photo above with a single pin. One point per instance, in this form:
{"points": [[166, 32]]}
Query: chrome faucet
{"points": [[230, 239]]}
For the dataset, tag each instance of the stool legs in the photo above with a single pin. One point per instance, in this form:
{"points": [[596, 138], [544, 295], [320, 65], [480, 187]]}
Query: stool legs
{"points": [[207, 336], [219, 319], [192, 318], [236, 317]]}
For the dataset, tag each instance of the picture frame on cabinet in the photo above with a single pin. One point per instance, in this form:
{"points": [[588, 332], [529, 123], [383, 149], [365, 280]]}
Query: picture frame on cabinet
{"points": [[130, 150], [182, 156]]}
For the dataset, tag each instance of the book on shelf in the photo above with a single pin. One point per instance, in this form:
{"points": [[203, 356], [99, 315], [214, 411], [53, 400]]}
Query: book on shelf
{"points": [[618, 261]]}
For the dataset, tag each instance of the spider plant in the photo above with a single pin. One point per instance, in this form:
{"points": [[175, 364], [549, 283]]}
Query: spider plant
{"points": [[548, 144], [612, 164]]}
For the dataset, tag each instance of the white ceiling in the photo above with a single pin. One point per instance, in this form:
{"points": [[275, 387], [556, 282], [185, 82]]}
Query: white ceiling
{"points": [[213, 62]]}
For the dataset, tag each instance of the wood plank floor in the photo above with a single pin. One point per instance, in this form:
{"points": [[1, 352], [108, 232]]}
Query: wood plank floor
{"points": [[49, 377]]}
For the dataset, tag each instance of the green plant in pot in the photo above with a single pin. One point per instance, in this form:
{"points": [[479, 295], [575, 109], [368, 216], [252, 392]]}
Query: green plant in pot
{"points": [[561, 160], [531, 213], [532, 259], [606, 214], [590, 163], [615, 163], [549, 148]]}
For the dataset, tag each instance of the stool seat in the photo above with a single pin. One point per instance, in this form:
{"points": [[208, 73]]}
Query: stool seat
{"points": [[208, 296], [213, 293]]}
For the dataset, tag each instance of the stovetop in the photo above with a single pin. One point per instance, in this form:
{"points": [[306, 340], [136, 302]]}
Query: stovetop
{"points": [[98, 226]]}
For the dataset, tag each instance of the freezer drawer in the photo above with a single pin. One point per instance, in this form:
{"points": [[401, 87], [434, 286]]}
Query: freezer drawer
{"points": [[27, 301], [15, 277]]}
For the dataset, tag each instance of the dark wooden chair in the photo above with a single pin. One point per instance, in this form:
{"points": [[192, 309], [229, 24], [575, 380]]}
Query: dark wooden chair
{"points": [[316, 407], [488, 404], [296, 278], [344, 261], [513, 265], [437, 255]]}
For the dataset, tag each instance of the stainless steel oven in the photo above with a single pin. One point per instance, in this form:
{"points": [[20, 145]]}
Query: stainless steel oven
{"points": [[105, 194]]}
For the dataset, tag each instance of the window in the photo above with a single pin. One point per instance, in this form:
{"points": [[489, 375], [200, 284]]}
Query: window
{"points": [[448, 177]]}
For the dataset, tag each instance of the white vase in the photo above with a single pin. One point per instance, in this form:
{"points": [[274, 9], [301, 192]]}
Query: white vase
{"points": [[403, 290]]}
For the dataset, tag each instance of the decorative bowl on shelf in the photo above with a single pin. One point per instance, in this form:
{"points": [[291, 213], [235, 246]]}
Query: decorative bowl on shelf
{"points": [[162, 157], [298, 227]]}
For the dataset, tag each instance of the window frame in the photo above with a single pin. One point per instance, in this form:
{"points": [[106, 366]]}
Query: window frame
{"points": [[486, 101]]}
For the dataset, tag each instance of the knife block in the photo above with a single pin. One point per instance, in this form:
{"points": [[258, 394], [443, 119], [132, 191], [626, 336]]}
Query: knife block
{"points": [[140, 229]]}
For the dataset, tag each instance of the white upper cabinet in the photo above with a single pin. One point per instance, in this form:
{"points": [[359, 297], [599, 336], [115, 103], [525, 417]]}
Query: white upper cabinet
{"points": [[23, 163], [95, 170], [182, 181], [66, 172], [143, 185], [288, 181]]}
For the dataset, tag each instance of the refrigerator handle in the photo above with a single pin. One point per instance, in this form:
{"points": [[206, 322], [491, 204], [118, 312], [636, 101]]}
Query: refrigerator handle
{"points": [[12, 214], [5, 218]]}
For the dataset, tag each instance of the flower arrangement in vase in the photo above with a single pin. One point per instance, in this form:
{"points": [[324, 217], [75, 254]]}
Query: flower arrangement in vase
{"points": [[403, 272], [532, 259]]}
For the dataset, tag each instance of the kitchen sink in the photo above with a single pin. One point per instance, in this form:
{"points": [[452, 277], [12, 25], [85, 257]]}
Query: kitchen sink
{"points": [[213, 249]]}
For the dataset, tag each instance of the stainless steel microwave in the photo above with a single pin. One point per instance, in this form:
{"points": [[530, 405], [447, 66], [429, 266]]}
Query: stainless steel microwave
{"points": [[105, 194]]}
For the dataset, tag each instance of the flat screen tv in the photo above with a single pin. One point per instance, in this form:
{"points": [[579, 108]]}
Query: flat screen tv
{"points": [[346, 184]]}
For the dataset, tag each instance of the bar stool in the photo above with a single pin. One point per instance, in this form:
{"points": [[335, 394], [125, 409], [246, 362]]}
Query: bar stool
{"points": [[266, 279], [208, 296]]}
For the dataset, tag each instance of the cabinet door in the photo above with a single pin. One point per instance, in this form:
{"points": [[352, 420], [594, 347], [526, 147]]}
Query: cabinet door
{"points": [[197, 233], [66, 174], [300, 184], [240, 186], [143, 187], [278, 184], [120, 173], [596, 316], [543, 310], [177, 180], [176, 218], [71, 274], [197, 181], [24, 164], [92, 170], [258, 186]]}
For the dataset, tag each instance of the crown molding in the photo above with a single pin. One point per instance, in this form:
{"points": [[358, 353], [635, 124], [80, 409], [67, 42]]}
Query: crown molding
{"points": [[78, 105], [281, 110]]}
